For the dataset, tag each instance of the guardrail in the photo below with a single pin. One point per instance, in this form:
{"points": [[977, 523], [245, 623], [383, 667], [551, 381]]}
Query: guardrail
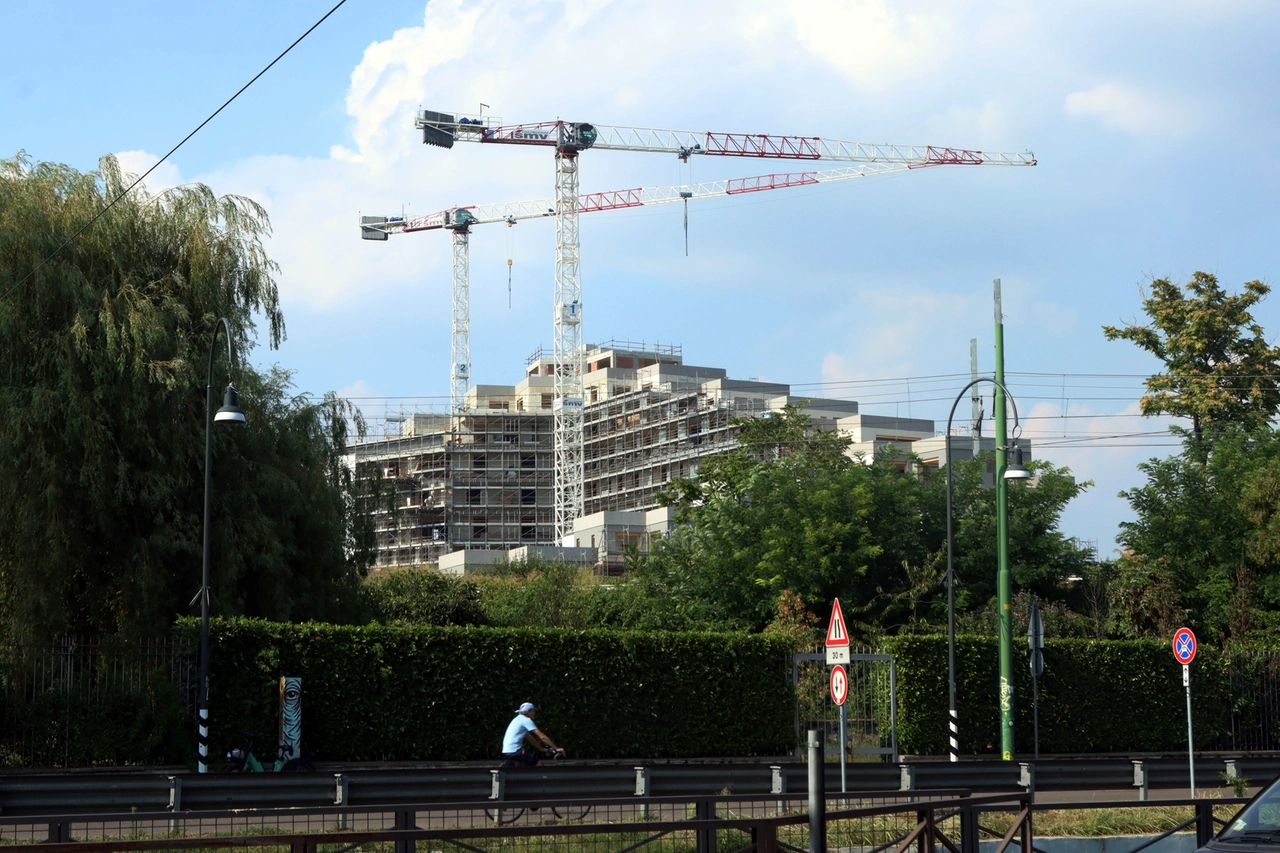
{"points": [[755, 824], [48, 793]]}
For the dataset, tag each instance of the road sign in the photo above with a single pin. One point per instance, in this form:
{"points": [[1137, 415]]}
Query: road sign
{"points": [[837, 633], [1037, 662], [839, 685], [1035, 627], [1184, 646], [837, 636]]}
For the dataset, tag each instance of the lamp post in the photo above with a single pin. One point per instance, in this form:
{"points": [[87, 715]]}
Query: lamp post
{"points": [[229, 413], [1016, 471]]}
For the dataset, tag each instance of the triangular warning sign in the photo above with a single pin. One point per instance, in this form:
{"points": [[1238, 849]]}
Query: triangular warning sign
{"points": [[837, 634]]}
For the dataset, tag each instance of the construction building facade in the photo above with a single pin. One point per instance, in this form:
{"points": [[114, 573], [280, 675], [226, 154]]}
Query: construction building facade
{"points": [[481, 481]]}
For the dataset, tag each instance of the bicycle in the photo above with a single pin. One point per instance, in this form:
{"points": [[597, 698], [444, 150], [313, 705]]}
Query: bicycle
{"points": [[503, 816], [242, 760]]}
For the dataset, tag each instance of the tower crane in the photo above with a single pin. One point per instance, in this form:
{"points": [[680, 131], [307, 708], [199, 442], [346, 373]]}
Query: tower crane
{"points": [[569, 139], [460, 220]]}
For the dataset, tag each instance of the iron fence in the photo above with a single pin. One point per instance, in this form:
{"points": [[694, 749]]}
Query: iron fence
{"points": [[775, 823], [64, 700], [870, 706], [1254, 683]]}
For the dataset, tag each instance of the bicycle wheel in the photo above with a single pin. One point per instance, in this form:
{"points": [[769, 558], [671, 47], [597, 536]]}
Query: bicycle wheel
{"points": [[571, 812], [504, 816]]}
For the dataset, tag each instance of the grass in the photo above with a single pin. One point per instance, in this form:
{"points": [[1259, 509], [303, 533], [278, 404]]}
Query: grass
{"points": [[1095, 823]]}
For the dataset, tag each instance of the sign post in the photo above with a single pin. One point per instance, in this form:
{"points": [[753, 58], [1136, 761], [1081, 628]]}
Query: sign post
{"points": [[1035, 643], [838, 654], [1184, 650], [839, 693]]}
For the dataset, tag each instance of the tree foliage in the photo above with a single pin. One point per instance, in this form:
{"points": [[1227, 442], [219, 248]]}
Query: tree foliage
{"points": [[1219, 368], [102, 395], [1204, 549], [790, 511]]}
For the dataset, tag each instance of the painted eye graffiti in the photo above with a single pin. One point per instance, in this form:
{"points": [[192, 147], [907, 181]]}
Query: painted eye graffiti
{"points": [[291, 714]]}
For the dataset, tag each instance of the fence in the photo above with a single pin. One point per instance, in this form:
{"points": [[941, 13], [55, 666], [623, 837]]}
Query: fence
{"points": [[870, 709], [772, 823], [1254, 679], [72, 703]]}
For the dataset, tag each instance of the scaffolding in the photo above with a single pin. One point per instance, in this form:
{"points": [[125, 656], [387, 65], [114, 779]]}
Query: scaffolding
{"points": [[476, 480], [638, 442]]}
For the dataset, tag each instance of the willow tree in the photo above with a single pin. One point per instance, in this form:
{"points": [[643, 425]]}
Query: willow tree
{"points": [[103, 358]]}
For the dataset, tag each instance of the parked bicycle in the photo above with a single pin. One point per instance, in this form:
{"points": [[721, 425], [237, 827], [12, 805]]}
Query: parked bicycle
{"points": [[242, 760]]}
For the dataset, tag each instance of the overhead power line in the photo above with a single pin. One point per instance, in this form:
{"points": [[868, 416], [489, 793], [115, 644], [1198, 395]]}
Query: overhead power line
{"points": [[199, 127]]}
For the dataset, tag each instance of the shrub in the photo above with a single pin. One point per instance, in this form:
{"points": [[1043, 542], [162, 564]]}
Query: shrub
{"points": [[1095, 696], [399, 692]]}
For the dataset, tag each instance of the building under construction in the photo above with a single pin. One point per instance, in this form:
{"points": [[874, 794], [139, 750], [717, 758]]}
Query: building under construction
{"points": [[482, 479]]}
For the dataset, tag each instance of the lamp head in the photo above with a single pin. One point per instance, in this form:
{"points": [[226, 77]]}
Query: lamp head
{"points": [[230, 412], [1016, 470]]}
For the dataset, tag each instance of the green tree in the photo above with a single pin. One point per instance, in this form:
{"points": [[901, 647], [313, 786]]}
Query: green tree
{"points": [[1041, 558], [789, 510], [103, 354], [1220, 370], [1204, 547], [785, 510]]}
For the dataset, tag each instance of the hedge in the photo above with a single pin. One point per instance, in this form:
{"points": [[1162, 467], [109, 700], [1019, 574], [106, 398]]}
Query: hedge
{"points": [[1095, 696], [447, 693]]}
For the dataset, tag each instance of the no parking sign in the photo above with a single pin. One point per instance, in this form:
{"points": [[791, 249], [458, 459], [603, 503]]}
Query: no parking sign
{"points": [[1184, 646], [1184, 649]]}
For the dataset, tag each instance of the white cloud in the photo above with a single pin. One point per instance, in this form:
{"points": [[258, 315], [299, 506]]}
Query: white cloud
{"points": [[1133, 110], [870, 41], [165, 177]]}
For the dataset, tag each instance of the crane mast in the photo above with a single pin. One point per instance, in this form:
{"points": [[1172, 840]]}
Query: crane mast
{"points": [[460, 351], [569, 139], [568, 349]]}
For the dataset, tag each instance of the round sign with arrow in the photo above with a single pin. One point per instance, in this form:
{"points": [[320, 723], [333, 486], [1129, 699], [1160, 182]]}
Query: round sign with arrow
{"points": [[839, 685]]}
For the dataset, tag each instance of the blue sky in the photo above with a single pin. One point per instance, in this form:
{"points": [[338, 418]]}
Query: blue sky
{"points": [[1154, 124]]}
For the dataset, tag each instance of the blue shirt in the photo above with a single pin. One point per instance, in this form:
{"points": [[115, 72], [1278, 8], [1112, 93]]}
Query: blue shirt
{"points": [[516, 730]]}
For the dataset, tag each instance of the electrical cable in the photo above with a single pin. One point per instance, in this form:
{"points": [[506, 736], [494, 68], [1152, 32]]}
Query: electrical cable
{"points": [[199, 127]]}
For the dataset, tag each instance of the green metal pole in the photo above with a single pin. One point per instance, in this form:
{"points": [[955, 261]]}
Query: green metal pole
{"points": [[1004, 586]]}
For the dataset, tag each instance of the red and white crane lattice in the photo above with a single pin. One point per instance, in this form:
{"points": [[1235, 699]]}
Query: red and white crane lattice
{"points": [[569, 139]]}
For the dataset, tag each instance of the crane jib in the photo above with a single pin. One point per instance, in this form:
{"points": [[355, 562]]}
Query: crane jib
{"points": [[763, 145]]}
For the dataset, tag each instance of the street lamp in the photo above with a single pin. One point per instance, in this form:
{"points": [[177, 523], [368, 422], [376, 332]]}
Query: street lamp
{"points": [[230, 413], [1015, 471]]}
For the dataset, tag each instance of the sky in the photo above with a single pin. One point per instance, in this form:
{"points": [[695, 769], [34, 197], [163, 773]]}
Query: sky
{"points": [[1153, 124]]}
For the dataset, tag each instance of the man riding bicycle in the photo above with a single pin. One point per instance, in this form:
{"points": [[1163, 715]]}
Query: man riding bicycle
{"points": [[522, 729]]}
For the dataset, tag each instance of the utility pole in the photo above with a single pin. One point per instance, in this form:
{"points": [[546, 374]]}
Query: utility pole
{"points": [[1004, 587], [975, 408]]}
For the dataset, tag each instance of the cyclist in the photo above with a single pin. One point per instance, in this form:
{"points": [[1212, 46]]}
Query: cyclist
{"points": [[522, 729]]}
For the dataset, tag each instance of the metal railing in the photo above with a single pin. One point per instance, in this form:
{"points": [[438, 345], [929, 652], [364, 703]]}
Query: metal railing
{"points": [[773, 823]]}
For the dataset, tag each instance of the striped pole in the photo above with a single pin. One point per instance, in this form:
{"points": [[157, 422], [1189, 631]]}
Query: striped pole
{"points": [[953, 750], [202, 741]]}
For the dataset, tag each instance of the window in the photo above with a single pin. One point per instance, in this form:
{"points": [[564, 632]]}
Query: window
{"points": [[529, 460], [528, 532], [497, 406], [528, 497], [479, 531], [477, 461], [475, 497], [546, 401]]}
